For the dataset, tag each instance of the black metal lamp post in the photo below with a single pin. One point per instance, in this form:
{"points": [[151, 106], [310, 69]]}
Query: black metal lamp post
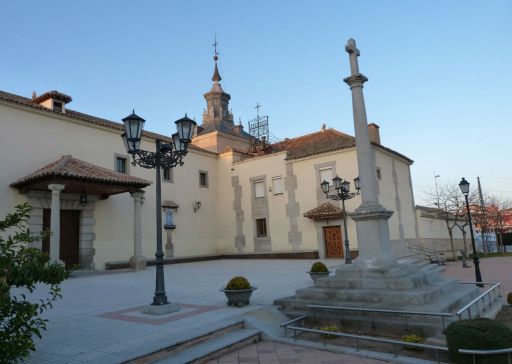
{"points": [[343, 193], [167, 155], [464, 187]]}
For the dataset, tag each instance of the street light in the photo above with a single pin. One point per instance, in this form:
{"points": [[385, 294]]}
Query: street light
{"points": [[343, 193], [464, 187], [167, 155]]}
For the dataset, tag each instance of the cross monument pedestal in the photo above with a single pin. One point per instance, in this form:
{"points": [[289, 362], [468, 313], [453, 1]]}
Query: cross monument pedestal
{"points": [[377, 279]]}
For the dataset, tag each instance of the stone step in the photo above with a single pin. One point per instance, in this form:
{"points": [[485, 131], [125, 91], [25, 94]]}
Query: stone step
{"points": [[420, 278], [368, 292], [213, 348], [222, 336]]}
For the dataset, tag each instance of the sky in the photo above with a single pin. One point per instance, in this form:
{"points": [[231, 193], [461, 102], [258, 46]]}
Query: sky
{"points": [[439, 72]]}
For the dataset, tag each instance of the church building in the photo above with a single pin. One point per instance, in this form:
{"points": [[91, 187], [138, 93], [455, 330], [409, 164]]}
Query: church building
{"points": [[235, 196]]}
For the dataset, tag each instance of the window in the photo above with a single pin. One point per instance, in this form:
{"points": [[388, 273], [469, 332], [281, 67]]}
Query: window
{"points": [[168, 175], [259, 188], [57, 106], [203, 179], [261, 227], [379, 174], [277, 186], [326, 175], [121, 165]]}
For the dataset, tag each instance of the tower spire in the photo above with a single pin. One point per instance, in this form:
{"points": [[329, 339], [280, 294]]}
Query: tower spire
{"points": [[216, 75]]}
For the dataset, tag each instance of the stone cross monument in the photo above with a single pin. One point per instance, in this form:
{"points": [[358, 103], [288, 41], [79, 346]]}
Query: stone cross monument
{"points": [[371, 217]]}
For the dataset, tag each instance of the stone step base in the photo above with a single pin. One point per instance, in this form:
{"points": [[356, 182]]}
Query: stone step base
{"points": [[207, 344]]}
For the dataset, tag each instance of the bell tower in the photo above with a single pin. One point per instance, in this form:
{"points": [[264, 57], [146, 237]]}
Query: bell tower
{"points": [[217, 101]]}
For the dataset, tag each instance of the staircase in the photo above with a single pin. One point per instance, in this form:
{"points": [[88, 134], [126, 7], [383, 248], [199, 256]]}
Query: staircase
{"points": [[206, 345]]}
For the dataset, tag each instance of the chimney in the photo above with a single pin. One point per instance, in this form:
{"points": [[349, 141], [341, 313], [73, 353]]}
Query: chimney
{"points": [[53, 100], [373, 132]]}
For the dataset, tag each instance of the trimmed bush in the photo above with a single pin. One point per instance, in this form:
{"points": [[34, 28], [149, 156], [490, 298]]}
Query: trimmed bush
{"points": [[238, 283], [478, 334], [318, 267]]}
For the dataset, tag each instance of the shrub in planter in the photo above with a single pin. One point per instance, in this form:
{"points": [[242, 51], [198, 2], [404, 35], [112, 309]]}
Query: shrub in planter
{"points": [[318, 270], [238, 282], [238, 291], [509, 298], [319, 267], [478, 334]]}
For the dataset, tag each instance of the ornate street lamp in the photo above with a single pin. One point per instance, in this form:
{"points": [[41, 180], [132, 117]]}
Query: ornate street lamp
{"points": [[167, 155], [464, 187], [343, 193]]}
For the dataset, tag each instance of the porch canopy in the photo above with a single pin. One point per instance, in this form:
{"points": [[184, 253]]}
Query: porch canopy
{"points": [[324, 211], [80, 177]]}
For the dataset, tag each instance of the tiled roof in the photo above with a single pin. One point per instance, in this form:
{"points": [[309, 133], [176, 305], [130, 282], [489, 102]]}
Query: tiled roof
{"points": [[52, 95], [70, 168], [20, 100], [324, 211], [319, 142], [323, 141]]}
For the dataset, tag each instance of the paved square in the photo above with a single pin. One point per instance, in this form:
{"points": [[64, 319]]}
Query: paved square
{"points": [[97, 320]]}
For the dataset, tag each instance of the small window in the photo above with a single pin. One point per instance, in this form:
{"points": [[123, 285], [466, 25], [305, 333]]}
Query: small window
{"points": [[261, 227], [379, 174], [277, 186], [259, 189], [57, 106], [326, 175], [121, 165], [168, 175], [203, 179]]}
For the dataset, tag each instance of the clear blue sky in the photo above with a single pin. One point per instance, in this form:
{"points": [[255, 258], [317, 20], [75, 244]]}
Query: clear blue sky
{"points": [[440, 72]]}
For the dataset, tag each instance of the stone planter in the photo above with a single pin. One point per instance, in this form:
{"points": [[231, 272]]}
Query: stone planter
{"points": [[316, 275], [238, 297]]}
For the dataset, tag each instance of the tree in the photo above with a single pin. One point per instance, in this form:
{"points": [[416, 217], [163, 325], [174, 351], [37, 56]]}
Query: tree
{"points": [[496, 210], [451, 206], [23, 267]]}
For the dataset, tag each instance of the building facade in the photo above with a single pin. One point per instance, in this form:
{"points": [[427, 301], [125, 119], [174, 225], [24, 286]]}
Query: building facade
{"points": [[233, 196]]}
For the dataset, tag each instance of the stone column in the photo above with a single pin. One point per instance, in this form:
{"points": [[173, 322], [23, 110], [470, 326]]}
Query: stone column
{"points": [[138, 261], [371, 217], [55, 222]]}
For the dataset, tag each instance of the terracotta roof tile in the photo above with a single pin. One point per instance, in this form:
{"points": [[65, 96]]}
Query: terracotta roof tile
{"points": [[70, 168], [324, 211], [323, 141], [315, 143]]}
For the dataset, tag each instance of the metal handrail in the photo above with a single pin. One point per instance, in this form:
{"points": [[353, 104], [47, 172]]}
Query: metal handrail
{"points": [[395, 343], [442, 315], [495, 285], [287, 323], [474, 353]]}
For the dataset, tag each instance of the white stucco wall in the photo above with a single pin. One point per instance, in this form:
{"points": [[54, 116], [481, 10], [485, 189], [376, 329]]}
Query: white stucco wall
{"points": [[32, 139]]}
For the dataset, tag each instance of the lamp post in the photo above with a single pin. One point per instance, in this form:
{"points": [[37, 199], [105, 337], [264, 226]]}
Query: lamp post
{"points": [[166, 155], [343, 193], [464, 187]]}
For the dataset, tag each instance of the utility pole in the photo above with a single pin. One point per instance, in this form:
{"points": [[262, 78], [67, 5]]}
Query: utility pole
{"points": [[436, 176], [483, 219]]}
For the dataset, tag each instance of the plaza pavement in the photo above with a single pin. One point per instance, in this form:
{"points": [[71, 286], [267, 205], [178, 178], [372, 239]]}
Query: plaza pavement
{"points": [[98, 319]]}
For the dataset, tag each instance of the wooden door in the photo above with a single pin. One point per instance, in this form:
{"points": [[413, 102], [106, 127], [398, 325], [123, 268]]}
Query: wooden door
{"points": [[333, 242], [69, 235]]}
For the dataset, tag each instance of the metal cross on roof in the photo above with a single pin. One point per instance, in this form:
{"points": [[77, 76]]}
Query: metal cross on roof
{"points": [[214, 45], [257, 107]]}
